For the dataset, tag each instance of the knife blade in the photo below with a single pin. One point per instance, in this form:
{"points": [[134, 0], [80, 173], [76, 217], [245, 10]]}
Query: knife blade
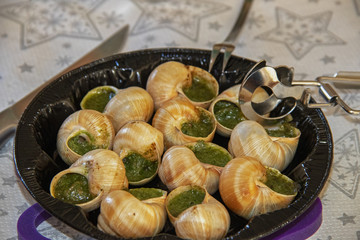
{"points": [[10, 117]]}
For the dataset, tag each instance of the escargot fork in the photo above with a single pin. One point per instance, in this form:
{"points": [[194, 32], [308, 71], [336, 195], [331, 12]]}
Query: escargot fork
{"points": [[227, 45]]}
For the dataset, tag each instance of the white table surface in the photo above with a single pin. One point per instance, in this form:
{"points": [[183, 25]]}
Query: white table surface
{"points": [[317, 37]]}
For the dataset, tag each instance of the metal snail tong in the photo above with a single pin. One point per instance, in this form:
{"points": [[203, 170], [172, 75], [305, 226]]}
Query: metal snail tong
{"points": [[263, 96]]}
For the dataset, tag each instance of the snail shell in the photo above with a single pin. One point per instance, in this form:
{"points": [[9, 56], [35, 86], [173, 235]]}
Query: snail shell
{"points": [[208, 220], [104, 171], [124, 215], [176, 112], [249, 138], [169, 79], [180, 167], [90, 126], [129, 104], [243, 190], [142, 138]]}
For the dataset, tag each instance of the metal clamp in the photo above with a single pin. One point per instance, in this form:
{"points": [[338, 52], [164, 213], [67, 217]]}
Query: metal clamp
{"points": [[263, 96]]}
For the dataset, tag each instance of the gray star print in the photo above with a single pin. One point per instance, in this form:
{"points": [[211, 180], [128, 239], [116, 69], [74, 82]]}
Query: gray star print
{"points": [[10, 181], [63, 61], [180, 16], [26, 68], [44, 20], [3, 212], [22, 208], [110, 19], [301, 34], [327, 59], [347, 155], [347, 219]]}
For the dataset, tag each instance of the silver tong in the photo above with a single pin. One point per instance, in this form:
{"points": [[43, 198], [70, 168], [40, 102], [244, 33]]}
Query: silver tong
{"points": [[263, 96]]}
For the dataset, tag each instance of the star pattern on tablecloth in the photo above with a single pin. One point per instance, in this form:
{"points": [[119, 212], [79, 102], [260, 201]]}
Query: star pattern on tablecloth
{"points": [[3, 212], [10, 181], [255, 20], [22, 208], [111, 19], [63, 60], [345, 219], [346, 166], [26, 68], [44, 20], [183, 17], [328, 59], [301, 34]]}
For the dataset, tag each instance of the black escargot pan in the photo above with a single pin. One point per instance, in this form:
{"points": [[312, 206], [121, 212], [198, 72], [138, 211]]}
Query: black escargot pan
{"points": [[37, 160]]}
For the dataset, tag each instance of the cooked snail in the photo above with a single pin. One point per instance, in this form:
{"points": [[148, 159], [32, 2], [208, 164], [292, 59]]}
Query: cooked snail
{"points": [[129, 104], [227, 111], [128, 215], [195, 214], [171, 79], [87, 181], [140, 147], [198, 163], [249, 189], [182, 122], [249, 138], [83, 131]]}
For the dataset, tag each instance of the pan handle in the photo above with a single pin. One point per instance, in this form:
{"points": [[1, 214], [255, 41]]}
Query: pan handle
{"points": [[29, 221]]}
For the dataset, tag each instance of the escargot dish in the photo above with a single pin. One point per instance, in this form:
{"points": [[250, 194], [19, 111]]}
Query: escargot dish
{"points": [[249, 189], [171, 79], [182, 122], [195, 214], [136, 213], [274, 147], [199, 163], [87, 181], [140, 146], [83, 131]]}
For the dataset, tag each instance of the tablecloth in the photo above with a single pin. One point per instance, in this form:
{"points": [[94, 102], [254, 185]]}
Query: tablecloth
{"points": [[317, 37]]}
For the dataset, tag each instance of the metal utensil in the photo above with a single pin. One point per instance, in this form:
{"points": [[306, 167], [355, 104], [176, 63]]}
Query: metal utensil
{"points": [[10, 116], [227, 44], [281, 101]]}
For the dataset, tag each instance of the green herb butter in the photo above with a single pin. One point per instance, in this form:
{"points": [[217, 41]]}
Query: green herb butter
{"points": [[199, 91], [146, 193], [198, 128], [283, 130], [81, 143], [228, 114], [280, 183], [184, 200], [97, 98], [207, 153], [138, 168], [73, 188]]}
